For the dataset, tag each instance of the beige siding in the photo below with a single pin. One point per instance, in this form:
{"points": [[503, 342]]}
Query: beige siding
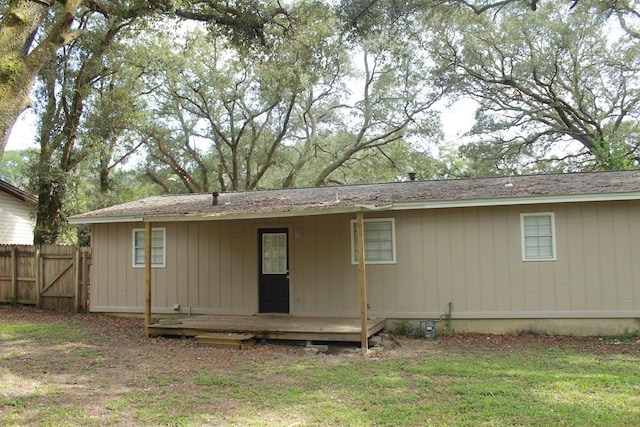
{"points": [[16, 221], [470, 257], [322, 275]]}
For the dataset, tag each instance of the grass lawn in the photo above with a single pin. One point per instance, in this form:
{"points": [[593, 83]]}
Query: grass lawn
{"points": [[92, 371]]}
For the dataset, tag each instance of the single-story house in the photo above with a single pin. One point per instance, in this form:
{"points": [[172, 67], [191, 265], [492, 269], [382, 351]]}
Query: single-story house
{"points": [[17, 219], [556, 253]]}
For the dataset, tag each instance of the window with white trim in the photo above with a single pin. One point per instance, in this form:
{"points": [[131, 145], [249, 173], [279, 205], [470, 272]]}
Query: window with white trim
{"points": [[379, 241], [158, 247], [538, 236]]}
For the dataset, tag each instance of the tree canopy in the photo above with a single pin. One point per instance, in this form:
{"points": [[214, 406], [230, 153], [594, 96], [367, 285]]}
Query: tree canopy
{"points": [[31, 32], [545, 80]]}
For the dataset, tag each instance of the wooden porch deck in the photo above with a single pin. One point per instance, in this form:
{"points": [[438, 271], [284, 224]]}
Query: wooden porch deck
{"points": [[270, 327]]}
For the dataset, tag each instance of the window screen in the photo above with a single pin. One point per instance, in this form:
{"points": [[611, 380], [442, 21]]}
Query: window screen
{"points": [[379, 241], [538, 237], [157, 247]]}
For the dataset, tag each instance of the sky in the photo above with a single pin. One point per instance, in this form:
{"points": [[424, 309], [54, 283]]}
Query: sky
{"points": [[23, 132]]}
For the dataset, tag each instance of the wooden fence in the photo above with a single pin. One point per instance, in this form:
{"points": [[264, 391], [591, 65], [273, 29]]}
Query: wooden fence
{"points": [[54, 277]]}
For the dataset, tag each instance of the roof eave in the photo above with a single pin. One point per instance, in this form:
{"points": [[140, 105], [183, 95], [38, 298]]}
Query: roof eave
{"points": [[17, 193], [104, 219], [221, 216], [521, 200]]}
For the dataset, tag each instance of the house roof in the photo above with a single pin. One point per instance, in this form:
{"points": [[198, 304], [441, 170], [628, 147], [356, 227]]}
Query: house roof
{"points": [[16, 192], [527, 189]]}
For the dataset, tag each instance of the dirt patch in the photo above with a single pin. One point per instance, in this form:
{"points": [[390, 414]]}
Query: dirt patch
{"points": [[111, 356], [115, 336]]}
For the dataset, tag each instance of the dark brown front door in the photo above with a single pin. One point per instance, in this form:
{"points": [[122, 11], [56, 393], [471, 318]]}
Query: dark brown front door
{"points": [[273, 277]]}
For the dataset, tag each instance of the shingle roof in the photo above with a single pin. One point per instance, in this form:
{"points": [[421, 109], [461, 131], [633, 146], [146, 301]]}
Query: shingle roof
{"points": [[398, 195]]}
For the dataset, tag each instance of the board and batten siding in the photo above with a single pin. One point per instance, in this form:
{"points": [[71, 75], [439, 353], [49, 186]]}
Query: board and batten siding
{"points": [[209, 268], [16, 221], [470, 257]]}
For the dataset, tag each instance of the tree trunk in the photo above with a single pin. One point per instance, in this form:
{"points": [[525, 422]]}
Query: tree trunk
{"points": [[17, 30], [19, 63], [47, 176], [49, 215]]}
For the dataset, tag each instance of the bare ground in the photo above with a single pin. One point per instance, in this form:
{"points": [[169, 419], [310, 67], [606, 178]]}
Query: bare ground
{"points": [[115, 356]]}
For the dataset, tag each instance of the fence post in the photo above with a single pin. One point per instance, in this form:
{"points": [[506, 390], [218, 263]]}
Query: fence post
{"points": [[38, 268], [86, 299], [85, 281], [14, 273], [81, 292], [76, 279]]}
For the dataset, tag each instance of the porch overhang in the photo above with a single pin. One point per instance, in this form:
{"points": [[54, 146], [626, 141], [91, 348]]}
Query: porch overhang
{"points": [[230, 216]]}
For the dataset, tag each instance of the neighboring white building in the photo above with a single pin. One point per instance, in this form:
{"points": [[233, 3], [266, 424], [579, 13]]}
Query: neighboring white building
{"points": [[16, 215]]}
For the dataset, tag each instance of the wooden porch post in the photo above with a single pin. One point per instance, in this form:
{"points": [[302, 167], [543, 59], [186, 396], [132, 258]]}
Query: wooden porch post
{"points": [[147, 277], [362, 274]]}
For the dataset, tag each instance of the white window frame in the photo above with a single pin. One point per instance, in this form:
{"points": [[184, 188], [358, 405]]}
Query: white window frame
{"points": [[354, 241], [281, 257], [524, 236], [163, 248]]}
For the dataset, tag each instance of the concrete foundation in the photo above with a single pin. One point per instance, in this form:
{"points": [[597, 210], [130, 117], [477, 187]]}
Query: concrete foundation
{"points": [[569, 327]]}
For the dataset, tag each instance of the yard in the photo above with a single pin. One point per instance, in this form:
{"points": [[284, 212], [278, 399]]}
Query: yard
{"points": [[93, 370]]}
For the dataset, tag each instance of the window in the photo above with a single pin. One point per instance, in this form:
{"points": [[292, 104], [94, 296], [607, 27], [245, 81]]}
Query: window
{"points": [[379, 241], [274, 253], [158, 247], [538, 237]]}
